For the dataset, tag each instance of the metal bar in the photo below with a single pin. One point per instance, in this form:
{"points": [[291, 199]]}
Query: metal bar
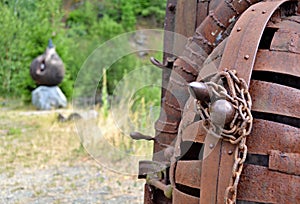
{"points": [[188, 173], [271, 135], [210, 166], [278, 62], [258, 184], [275, 99], [284, 162], [180, 197], [281, 38]]}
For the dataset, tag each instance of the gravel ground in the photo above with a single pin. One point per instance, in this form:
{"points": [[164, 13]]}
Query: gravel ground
{"points": [[85, 182], [41, 162]]}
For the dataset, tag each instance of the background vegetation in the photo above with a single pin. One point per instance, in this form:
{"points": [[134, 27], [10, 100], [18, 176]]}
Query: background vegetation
{"points": [[77, 27]]}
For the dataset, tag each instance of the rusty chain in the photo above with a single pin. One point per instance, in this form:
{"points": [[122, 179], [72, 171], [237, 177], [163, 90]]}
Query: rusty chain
{"points": [[236, 92]]}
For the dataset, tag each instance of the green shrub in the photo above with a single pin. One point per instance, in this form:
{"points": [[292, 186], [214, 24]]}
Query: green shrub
{"points": [[26, 26]]}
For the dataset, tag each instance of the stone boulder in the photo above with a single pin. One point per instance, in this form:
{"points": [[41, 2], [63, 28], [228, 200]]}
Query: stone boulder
{"points": [[47, 98]]}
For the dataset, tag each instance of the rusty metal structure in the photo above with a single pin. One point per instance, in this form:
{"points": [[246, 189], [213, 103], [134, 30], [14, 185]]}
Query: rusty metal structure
{"points": [[230, 132]]}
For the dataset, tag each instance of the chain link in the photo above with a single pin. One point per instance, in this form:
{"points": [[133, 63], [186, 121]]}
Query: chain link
{"points": [[236, 92]]}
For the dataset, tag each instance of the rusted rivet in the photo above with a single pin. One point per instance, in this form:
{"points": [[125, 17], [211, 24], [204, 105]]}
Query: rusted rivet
{"points": [[171, 7], [246, 57], [211, 146], [230, 152], [263, 12], [238, 29]]}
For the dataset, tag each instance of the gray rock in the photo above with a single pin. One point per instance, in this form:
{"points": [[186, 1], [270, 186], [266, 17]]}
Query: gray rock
{"points": [[47, 98]]}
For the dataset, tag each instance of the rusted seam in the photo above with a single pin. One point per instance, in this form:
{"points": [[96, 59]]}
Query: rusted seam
{"points": [[195, 53], [172, 106], [230, 5], [166, 131], [185, 70], [216, 20], [199, 36], [172, 124]]}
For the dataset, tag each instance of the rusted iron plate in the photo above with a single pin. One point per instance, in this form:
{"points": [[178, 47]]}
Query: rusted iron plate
{"points": [[270, 135], [210, 31], [210, 170], [225, 169], [147, 195], [185, 17], [281, 38], [258, 184], [185, 21], [284, 162], [242, 44], [267, 135], [169, 25], [188, 173], [278, 62], [180, 197], [274, 98], [168, 45], [202, 11], [189, 113], [288, 23], [167, 127], [164, 138], [239, 54], [213, 4], [194, 132]]}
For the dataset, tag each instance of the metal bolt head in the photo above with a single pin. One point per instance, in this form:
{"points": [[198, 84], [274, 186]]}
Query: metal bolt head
{"points": [[211, 146], [263, 12], [246, 57], [199, 91], [230, 152], [221, 112], [238, 29]]}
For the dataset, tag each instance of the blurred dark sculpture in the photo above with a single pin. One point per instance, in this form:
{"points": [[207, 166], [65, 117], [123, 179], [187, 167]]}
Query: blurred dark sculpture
{"points": [[48, 68]]}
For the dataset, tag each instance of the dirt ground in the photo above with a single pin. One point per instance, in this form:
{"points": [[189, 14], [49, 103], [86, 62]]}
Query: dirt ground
{"points": [[42, 161]]}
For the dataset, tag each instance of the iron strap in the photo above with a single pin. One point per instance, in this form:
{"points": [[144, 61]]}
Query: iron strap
{"points": [[221, 166]]}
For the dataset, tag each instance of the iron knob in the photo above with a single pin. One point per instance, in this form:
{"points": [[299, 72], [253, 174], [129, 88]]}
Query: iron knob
{"points": [[221, 112], [199, 91]]}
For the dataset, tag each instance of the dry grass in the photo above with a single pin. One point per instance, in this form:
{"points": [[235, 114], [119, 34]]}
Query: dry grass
{"points": [[36, 139]]}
